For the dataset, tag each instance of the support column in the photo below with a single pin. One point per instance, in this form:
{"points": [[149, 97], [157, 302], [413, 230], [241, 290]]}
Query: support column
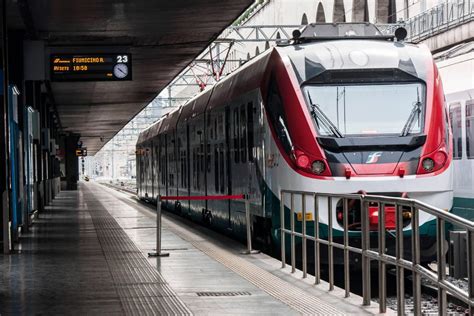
{"points": [[4, 154], [72, 165]]}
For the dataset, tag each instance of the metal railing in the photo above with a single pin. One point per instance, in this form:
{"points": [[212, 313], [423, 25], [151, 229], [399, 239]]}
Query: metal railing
{"points": [[378, 253], [439, 19], [248, 219]]}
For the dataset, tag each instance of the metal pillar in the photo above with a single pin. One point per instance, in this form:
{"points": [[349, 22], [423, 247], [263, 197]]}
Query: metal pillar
{"points": [[72, 166], [158, 252], [5, 170]]}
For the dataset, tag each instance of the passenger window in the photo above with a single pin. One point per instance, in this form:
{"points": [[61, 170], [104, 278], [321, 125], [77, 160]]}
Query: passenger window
{"points": [[208, 159], [455, 119], [216, 169], [243, 134], [215, 128], [236, 136], [221, 167], [201, 156], [250, 130], [194, 168], [470, 129]]}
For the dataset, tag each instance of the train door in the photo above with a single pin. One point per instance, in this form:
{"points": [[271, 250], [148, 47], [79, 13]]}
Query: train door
{"points": [[227, 165], [152, 169], [188, 167], [156, 177], [165, 163]]}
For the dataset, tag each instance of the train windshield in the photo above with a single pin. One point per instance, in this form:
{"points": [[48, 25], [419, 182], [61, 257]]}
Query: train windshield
{"points": [[367, 110]]}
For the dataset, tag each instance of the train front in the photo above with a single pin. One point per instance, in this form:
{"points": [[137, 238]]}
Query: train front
{"points": [[376, 123]]}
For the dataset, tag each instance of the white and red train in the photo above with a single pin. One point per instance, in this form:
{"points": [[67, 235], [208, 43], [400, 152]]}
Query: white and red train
{"points": [[342, 110]]}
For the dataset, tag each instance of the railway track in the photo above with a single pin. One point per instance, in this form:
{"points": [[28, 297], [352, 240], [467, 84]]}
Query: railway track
{"points": [[429, 299]]}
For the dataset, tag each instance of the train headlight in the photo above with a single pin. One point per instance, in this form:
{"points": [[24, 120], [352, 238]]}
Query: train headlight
{"points": [[428, 164], [318, 167]]}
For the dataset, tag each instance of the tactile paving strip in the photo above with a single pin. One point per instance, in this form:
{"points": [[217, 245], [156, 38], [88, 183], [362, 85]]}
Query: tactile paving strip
{"points": [[142, 290], [289, 294]]}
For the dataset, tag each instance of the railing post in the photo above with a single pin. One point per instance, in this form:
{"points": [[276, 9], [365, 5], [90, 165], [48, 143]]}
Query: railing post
{"points": [[248, 223], [282, 231], [317, 272], [382, 268], [365, 247], [440, 234], [399, 256], [303, 231], [415, 250], [345, 220], [330, 246], [470, 270], [292, 224], [158, 252]]}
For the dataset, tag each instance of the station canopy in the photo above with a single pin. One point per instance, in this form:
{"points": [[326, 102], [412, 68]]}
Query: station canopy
{"points": [[162, 38]]}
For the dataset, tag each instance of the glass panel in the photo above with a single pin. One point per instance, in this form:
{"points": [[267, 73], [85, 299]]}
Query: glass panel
{"points": [[243, 135], [470, 129], [367, 110], [236, 136], [455, 119]]}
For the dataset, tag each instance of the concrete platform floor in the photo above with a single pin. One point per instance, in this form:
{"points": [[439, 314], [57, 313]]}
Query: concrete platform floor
{"points": [[87, 255]]}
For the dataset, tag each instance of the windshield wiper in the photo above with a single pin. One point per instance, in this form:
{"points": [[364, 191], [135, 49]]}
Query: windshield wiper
{"points": [[319, 115], [411, 119]]}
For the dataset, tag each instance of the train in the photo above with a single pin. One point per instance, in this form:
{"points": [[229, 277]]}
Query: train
{"points": [[340, 109], [457, 64]]}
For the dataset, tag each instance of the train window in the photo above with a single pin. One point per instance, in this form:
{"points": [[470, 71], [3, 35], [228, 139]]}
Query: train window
{"points": [[243, 134], [236, 136], [277, 115], [198, 167], [194, 168], [221, 125], [208, 159], [221, 167], [216, 169], [201, 156], [250, 131], [215, 128], [455, 118], [470, 129], [183, 169], [367, 109]]}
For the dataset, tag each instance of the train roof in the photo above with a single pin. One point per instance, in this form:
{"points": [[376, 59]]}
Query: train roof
{"points": [[249, 77], [312, 59]]}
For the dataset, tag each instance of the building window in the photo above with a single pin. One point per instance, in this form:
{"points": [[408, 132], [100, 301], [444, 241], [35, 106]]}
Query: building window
{"points": [[339, 13], [320, 16], [304, 19]]}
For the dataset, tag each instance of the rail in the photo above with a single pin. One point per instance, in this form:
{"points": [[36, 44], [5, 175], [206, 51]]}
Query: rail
{"points": [[378, 253]]}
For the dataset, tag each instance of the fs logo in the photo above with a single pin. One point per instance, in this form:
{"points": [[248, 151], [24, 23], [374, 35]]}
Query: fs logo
{"points": [[374, 157]]}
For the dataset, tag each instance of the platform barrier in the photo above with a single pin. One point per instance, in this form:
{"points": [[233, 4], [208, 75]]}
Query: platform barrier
{"points": [[160, 198], [378, 253]]}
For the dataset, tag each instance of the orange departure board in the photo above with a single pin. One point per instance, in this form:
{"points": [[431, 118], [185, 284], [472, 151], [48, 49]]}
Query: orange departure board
{"points": [[91, 67]]}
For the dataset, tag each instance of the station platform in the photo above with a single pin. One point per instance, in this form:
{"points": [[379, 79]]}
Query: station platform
{"points": [[87, 254]]}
